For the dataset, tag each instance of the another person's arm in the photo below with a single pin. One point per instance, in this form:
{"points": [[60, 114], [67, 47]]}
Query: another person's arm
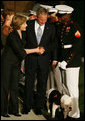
{"points": [[38, 50]]}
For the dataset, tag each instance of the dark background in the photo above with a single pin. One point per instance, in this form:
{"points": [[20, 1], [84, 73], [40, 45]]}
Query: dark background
{"points": [[77, 16]]}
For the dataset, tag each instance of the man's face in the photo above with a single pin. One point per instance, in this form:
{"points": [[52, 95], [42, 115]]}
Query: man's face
{"points": [[42, 19], [65, 17]]}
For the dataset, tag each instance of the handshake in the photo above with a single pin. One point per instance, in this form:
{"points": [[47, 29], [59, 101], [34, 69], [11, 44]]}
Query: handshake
{"points": [[62, 64], [38, 50]]}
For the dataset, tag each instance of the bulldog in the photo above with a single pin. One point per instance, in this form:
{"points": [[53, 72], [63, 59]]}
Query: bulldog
{"points": [[58, 105]]}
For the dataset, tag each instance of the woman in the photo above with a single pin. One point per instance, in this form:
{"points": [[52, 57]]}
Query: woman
{"points": [[6, 26], [12, 56]]}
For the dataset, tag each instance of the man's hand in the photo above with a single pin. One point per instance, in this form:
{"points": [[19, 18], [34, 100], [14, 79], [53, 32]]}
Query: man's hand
{"points": [[62, 65], [41, 50], [54, 64]]}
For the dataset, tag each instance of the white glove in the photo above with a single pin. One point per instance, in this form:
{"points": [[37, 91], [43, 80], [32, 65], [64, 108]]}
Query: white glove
{"points": [[62, 65]]}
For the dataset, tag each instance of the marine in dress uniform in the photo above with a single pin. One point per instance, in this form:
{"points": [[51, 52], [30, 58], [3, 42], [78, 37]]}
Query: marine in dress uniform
{"points": [[69, 55]]}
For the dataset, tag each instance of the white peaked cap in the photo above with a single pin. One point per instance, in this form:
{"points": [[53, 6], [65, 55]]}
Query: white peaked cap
{"points": [[53, 10], [32, 12], [46, 6], [62, 9]]}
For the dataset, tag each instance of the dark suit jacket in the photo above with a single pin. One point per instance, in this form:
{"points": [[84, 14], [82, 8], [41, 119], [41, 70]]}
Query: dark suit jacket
{"points": [[14, 50], [47, 41]]}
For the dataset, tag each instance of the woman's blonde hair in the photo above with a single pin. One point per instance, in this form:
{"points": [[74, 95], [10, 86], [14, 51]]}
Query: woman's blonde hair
{"points": [[17, 21]]}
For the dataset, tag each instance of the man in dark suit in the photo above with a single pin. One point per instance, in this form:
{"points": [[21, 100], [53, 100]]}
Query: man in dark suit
{"points": [[36, 63]]}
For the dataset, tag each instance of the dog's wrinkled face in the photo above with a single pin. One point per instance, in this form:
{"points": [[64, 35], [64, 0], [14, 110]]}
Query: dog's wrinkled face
{"points": [[66, 101], [68, 108], [66, 104]]}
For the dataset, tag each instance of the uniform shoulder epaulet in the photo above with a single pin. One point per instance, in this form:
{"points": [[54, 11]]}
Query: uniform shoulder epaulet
{"points": [[77, 32]]}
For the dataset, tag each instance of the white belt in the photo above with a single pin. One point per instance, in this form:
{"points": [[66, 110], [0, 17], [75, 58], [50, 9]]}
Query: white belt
{"points": [[67, 46]]}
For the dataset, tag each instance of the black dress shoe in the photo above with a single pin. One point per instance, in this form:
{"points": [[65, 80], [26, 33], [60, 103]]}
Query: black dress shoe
{"points": [[37, 111], [16, 114], [5, 115]]}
